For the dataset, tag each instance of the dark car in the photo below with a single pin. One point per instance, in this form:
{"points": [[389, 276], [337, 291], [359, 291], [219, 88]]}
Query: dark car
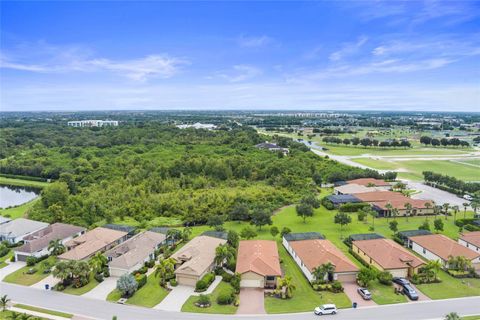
{"points": [[366, 295], [410, 292], [401, 281]]}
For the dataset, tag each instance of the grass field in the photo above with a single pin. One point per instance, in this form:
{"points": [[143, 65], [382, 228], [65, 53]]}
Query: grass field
{"points": [[150, 294], [46, 311], [21, 277], [189, 305], [19, 211], [383, 294], [416, 151], [451, 287], [5, 258], [22, 182]]}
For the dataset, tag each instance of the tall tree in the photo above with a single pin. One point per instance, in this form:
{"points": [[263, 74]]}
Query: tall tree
{"points": [[342, 219], [261, 217]]}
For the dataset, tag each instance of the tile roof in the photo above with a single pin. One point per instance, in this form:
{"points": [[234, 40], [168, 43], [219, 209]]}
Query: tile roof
{"points": [[444, 247], [472, 237], [259, 256], [354, 189], [198, 255], [91, 242], [388, 254], [20, 227], [366, 181], [396, 199], [314, 253], [135, 250], [41, 239]]}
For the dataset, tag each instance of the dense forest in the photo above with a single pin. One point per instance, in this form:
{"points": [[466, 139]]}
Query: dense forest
{"points": [[150, 169]]}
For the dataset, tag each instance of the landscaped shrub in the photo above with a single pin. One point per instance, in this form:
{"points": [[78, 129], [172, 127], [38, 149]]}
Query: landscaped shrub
{"points": [[471, 227], [59, 287], [227, 277], [337, 286], [12, 259], [200, 286], [106, 272], [173, 282], [142, 270], [203, 300], [31, 261], [98, 277], [327, 204], [226, 296], [235, 282], [385, 278], [4, 250], [150, 263], [141, 280], [353, 207]]}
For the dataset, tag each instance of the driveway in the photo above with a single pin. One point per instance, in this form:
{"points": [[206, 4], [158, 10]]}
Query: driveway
{"points": [[102, 290], [176, 298], [50, 280], [251, 301], [350, 289], [421, 295], [11, 267]]}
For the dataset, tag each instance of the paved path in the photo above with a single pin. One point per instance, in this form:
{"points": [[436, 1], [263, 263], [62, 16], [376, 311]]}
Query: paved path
{"points": [[176, 298], [98, 309], [50, 280], [102, 290], [11, 267], [251, 301]]}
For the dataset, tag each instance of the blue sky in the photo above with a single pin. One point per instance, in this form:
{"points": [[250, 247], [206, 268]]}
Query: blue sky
{"points": [[377, 55]]}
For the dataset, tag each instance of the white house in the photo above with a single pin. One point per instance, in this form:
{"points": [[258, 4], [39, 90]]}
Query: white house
{"points": [[14, 231], [471, 240]]}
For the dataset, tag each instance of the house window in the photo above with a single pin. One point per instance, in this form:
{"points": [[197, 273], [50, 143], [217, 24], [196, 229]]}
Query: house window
{"points": [[424, 251], [270, 278], [370, 260]]}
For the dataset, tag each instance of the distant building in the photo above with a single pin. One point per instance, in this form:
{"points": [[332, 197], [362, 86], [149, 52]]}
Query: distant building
{"points": [[93, 123], [272, 147], [197, 125]]}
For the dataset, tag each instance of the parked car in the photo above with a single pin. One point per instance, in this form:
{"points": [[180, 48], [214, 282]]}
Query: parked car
{"points": [[410, 292], [401, 281], [366, 295], [468, 197], [325, 309]]}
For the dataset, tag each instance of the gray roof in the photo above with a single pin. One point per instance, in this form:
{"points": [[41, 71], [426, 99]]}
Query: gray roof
{"points": [[343, 198], [365, 236], [41, 239], [413, 233], [120, 227], [19, 227], [163, 230], [216, 234], [303, 236]]}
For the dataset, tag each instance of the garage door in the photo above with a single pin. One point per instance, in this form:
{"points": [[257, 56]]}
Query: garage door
{"points": [[21, 257], [251, 283], [346, 277], [186, 281]]}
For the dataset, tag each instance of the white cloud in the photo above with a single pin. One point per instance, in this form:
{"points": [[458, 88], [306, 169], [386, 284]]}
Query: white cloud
{"points": [[348, 49], [254, 41], [240, 73]]}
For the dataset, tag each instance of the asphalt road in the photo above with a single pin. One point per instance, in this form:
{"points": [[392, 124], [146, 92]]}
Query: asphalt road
{"points": [[98, 309]]}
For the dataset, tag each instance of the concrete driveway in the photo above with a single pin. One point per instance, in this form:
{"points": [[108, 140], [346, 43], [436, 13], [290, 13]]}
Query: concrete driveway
{"points": [[350, 289], [50, 280], [11, 267], [251, 301], [176, 298], [102, 290]]}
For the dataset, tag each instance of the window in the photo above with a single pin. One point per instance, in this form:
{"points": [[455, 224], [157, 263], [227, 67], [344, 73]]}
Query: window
{"points": [[270, 278], [424, 251]]}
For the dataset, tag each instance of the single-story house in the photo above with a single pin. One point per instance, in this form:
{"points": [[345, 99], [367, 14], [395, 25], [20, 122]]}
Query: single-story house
{"points": [[405, 235], [380, 199], [440, 247], [16, 230], [312, 253], [195, 259], [339, 199], [272, 147], [258, 264], [470, 240], [4, 219], [130, 230], [361, 236], [97, 240], [372, 182], [131, 254], [36, 244], [387, 255]]}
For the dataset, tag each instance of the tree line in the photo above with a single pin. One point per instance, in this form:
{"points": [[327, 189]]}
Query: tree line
{"points": [[367, 142], [444, 142]]}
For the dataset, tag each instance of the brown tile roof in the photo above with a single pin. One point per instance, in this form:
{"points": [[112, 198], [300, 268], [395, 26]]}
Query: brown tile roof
{"points": [[378, 196], [388, 254], [91, 242], [135, 250], [198, 255], [353, 188], [444, 247], [366, 181], [259, 256], [41, 239], [472, 237], [314, 253]]}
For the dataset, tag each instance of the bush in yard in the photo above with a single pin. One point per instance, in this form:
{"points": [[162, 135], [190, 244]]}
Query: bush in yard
{"points": [[235, 282], [98, 277], [200, 286], [385, 278], [337, 286], [59, 287], [208, 278], [353, 207], [173, 282], [141, 280], [227, 277], [106, 272], [4, 250], [226, 296], [142, 270], [12, 259], [31, 261], [150, 263], [127, 285], [203, 300], [327, 204]]}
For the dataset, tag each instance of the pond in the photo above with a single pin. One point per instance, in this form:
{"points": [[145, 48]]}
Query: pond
{"points": [[11, 196]]}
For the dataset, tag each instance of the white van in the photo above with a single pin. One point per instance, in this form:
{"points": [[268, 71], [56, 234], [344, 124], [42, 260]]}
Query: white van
{"points": [[325, 309], [468, 197]]}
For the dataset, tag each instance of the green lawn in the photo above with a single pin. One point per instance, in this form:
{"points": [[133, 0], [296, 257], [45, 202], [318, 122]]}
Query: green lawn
{"points": [[82, 290], [5, 258], [189, 305], [114, 296], [377, 164], [304, 297], [21, 277], [46, 311], [471, 318], [7, 315], [451, 287], [150, 294], [383, 294], [22, 182], [18, 211]]}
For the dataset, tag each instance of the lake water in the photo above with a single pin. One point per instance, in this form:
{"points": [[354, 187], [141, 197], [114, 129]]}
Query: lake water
{"points": [[13, 196]]}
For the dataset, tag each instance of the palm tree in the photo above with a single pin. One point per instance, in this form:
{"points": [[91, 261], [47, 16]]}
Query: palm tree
{"points": [[98, 262], [428, 205], [81, 270], [389, 209], [222, 254], [446, 207], [408, 209], [63, 270], [4, 300], [14, 316], [374, 215], [328, 268], [435, 266], [56, 247], [465, 205], [452, 316], [24, 316], [394, 213], [436, 210], [455, 211], [164, 270], [187, 231], [319, 273], [287, 285]]}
